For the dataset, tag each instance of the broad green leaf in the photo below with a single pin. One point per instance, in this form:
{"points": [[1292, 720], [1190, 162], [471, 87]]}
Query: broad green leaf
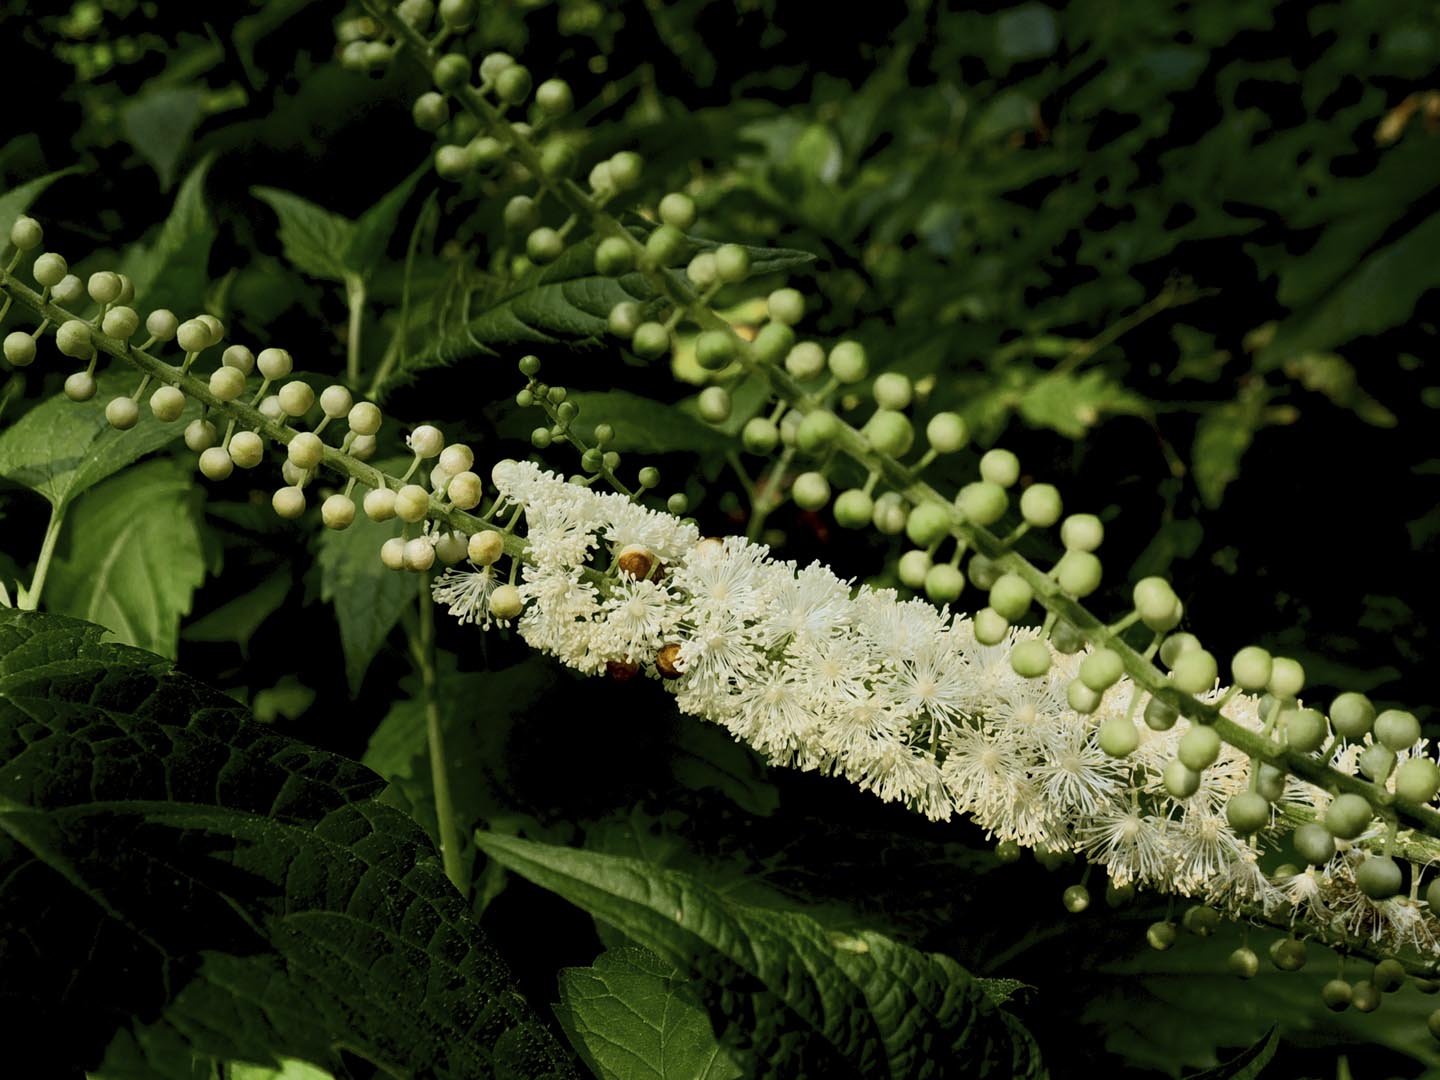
{"points": [[1026, 32], [374, 227], [179, 883], [707, 758], [368, 598], [1072, 404], [61, 447], [132, 557], [315, 240], [566, 303], [1248, 1064], [834, 1004], [158, 123], [290, 1069], [17, 200], [1222, 436], [173, 271], [237, 620], [633, 1017]]}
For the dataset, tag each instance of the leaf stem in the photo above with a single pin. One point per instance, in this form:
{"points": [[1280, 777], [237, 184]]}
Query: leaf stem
{"points": [[449, 835], [31, 600], [355, 297]]}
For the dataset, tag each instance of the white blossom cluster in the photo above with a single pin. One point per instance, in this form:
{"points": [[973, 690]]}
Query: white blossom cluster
{"points": [[899, 698]]}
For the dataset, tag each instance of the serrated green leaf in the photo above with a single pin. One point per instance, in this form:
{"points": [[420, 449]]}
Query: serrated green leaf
{"points": [[314, 239], [17, 200], [61, 447], [173, 271], [867, 1006], [1072, 404], [1249, 1063], [368, 598], [566, 302], [633, 1017], [237, 620], [159, 122], [1222, 436], [179, 883], [132, 557], [374, 227]]}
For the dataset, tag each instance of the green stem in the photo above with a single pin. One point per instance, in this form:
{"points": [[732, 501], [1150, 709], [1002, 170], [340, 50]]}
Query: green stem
{"points": [[449, 834], [355, 297], [31, 600]]}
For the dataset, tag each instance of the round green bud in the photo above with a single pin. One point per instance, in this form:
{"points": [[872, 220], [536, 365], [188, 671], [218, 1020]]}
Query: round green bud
{"points": [[49, 269], [848, 363], [611, 460], [522, 215], [104, 287], [452, 71], [162, 324], [613, 256], [513, 84], [492, 64], [1397, 729], [592, 460], [288, 502], [1008, 851], [1305, 729], [773, 342], [1313, 843], [677, 211], [1287, 954], [1194, 672], [805, 360], [1040, 505], [892, 390], [558, 159], [817, 430], [624, 319], [554, 98], [1160, 715], [26, 234], [1377, 762], [454, 162], [1271, 782], [990, 626], [1336, 994], [1379, 877], [715, 350], [1176, 646], [944, 583], [419, 554], [485, 547], [889, 432], [626, 168], [1180, 780], [215, 463], [1011, 596], [1081, 532], [430, 111], [1101, 670], [927, 524], [337, 512], [1198, 747], [200, 435], [193, 336], [651, 341], [1000, 467], [811, 491], [1417, 779], [74, 340], [984, 572], [392, 553], [1287, 677], [982, 502], [1250, 668], [1243, 963], [913, 568], [485, 150], [1066, 637], [1155, 600], [544, 245], [1076, 899], [1030, 658], [732, 263], [122, 413], [379, 504], [1348, 816], [1081, 698], [946, 432], [274, 363], [760, 435], [167, 403], [412, 503], [247, 449], [1118, 736], [701, 270], [364, 418], [1389, 975], [853, 509], [890, 513], [120, 322], [1161, 935], [70, 290], [305, 450], [19, 348], [786, 306], [604, 433], [1078, 573], [714, 404], [1247, 812], [1200, 920], [296, 398], [1352, 715], [227, 383], [540, 438]]}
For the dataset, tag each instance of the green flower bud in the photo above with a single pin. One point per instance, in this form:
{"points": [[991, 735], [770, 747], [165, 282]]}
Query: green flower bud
{"points": [[760, 435], [677, 211], [853, 509], [848, 363], [1040, 505], [889, 432], [1000, 467], [893, 390], [982, 502], [811, 491], [786, 306]]}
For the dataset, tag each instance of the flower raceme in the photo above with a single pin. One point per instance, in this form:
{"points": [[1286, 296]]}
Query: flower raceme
{"points": [[901, 699]]}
